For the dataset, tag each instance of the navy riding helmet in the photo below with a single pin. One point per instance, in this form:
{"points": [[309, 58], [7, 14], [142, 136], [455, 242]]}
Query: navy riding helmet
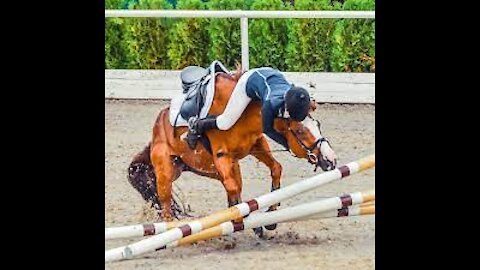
{"points": [[297, 103]]}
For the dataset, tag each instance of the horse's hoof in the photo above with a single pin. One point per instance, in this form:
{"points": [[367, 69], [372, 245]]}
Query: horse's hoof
{"points": [[271, 227], [167, 218], [258, 232]]}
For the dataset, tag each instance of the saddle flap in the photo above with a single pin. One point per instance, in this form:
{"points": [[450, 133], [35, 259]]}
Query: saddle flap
{"points": [[194, 100], [190, 107]]}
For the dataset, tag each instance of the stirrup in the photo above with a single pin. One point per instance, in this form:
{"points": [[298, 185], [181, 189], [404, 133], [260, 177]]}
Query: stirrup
{"points": [[192, 122], [192, 140]]}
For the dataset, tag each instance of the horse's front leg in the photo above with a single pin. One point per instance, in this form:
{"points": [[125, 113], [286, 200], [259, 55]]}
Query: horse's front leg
{"points": [[231, 177], [229, 169], [261, 151]]}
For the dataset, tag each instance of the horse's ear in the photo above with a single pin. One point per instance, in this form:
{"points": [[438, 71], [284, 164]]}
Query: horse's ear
{"points": [[313, 105]]}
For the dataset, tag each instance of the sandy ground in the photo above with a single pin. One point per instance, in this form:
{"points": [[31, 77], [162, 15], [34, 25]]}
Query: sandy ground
{"points": [[319, 244]]}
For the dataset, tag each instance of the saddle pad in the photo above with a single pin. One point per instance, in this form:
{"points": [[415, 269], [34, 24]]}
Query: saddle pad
{"points": [[177, 101]]}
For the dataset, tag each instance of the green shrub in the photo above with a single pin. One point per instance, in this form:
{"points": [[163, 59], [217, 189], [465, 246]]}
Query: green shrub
{"points": [[268, 37], [224, 34], [310, 40], [354, 40], [189, 41], [113, 4], [115, 54], [147, 38]]}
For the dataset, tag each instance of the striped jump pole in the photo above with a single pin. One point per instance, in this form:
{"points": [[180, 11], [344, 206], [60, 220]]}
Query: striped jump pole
{"points": [[237, 211], [278, 216], [148, 229], [368, 203], [356, 210], [141, 229], [366, 208]]}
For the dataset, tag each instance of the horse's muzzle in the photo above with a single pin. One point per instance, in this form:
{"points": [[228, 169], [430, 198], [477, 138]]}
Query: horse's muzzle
{"points": [[326, 164]]}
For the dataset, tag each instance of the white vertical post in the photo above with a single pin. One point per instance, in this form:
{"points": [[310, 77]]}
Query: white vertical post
{"points": [[244, 37]]}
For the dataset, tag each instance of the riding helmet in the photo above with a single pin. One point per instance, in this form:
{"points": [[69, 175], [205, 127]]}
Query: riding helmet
{"points": [[297, 103]]}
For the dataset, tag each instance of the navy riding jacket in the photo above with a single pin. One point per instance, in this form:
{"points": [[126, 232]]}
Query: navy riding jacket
{"points": [[269, 86]]}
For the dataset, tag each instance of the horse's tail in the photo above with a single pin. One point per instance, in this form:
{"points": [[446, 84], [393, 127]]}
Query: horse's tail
{"points": [[142, 177]]}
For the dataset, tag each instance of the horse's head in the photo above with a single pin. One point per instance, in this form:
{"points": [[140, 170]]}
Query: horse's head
{"points": [[305, 140]]}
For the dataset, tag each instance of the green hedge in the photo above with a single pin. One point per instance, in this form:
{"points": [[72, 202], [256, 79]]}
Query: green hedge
{"points": [[308, 45], [310, 40], [147, 39], [354, 40], [115, 54], [225, 33], [189, 38], [268, 37]]}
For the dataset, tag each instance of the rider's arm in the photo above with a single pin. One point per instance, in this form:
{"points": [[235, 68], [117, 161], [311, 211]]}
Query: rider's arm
{"points": [[268, 116]]}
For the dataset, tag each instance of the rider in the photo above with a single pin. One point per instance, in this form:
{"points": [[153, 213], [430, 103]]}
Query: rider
{"points": [[279, 98]]}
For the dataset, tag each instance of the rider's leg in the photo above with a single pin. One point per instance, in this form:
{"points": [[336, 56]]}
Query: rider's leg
{"points": [[235, 107], [237, 103]]}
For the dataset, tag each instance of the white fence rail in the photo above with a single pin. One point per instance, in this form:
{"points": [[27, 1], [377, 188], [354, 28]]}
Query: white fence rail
{"points": [[243, 15], [165, 84]]}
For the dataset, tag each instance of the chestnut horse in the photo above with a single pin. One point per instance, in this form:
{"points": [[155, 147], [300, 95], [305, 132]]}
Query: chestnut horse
{"points": [[153, 170]]}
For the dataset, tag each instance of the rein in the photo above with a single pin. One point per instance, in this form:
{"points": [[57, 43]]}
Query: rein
{"points": [[261, 152]]}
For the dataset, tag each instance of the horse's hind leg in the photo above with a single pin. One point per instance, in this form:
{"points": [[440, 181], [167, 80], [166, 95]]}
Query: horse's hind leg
{"points": [[166, 172], [261, 151]]}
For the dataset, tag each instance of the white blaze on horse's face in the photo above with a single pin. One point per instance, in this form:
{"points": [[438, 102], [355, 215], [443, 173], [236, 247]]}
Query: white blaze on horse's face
{"points": [[311, 125], [325, 149]]}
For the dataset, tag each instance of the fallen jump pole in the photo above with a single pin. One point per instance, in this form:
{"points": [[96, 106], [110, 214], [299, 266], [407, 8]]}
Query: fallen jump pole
{"points": [[356, 210], [286, 214], [237, 211], [148, 229], [141, 229]]}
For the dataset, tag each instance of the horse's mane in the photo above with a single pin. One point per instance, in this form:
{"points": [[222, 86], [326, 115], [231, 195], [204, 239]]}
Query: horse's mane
{"points": [[235, 76], [238, 73]]}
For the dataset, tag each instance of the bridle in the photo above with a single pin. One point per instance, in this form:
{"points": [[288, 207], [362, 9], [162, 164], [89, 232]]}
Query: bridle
{"points": [[308, 149]]}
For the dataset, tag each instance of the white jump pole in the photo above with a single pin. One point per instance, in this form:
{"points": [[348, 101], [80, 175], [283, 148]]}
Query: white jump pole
{"points": [[148, 229], [237, 211], [286, 214]]}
